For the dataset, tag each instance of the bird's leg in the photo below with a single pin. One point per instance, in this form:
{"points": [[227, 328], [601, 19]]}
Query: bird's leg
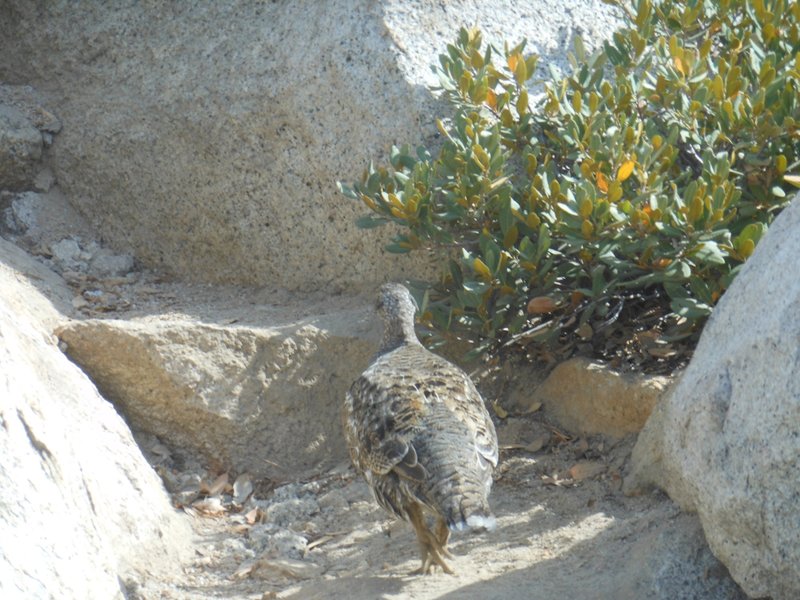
{"points": [[429, 544], [442, 534]]}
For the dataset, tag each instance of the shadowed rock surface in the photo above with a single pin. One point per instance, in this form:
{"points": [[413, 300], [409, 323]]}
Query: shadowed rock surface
{"points": [[726, 440]]}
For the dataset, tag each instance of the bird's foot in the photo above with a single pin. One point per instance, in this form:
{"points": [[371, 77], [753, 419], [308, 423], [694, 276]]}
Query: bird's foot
{"points": [[432, 557]]}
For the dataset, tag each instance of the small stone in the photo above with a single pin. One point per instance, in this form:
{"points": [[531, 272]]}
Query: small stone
{"points": [[94, 296], [333, 500], [106, 264], [288, 543], [44, 180], [79, 302], [66, 255], [292, 510], [74, 277], [20, 149], [20, 216]]}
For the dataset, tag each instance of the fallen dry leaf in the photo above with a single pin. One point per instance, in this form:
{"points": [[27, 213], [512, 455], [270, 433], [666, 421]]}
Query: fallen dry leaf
{"points": [[254, 515], [537, 443], [581, 447], [286, 567], [216, 487], [541, 305], [318, 542], [662, 351], [244, 569], [534, 406], [499, 410], [512, 446], [211, 507], [560, 436], [556, 480], [586, 469]]}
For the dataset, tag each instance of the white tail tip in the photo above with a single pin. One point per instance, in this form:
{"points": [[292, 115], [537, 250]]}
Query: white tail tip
{"points": [[489, 523]]}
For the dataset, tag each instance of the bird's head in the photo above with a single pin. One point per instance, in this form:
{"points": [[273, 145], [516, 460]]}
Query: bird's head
{"points": [[396, 308]]}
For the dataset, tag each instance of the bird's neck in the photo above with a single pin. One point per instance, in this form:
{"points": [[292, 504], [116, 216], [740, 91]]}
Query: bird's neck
{"points": [[398, 334]]}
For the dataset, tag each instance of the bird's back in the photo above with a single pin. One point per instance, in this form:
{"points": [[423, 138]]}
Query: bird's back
{"points": [[418, 430]]}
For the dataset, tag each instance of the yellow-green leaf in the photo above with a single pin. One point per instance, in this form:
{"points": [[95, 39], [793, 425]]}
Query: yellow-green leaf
{"points": [[480, 156], [718, 86], [792, 179], [586, 207], [614, 191], [522, 102], [476, 59], [532, 164], [396, 201], [440, 126], [577, 102], [510, 238], [481, 269], [679, 66], [696, 208], [657, 141], [625, 170], [520, 72], [369, 202]]}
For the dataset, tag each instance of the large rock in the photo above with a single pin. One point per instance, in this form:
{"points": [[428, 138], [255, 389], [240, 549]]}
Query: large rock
{"points": [[82, 515], [726, 441], [206, 138], [258, 398], [588, 397]]}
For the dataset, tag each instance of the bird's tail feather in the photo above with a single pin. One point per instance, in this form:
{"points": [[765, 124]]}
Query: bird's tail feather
{"points": [[477, 520]]}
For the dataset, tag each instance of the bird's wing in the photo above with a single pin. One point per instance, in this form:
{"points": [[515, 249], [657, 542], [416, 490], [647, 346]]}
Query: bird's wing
{"points": [[381, 418], [456, 390]]}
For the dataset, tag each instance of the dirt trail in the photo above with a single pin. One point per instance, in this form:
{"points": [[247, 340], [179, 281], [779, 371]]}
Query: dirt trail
{"points": [[556, 537]]}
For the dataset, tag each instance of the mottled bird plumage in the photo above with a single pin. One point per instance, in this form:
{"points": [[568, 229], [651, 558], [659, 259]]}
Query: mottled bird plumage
{"points": [[419, 432]]}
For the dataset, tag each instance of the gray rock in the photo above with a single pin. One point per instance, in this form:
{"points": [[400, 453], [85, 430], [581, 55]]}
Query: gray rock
{"points": [[292, 510], [673, 561], [44, 218], [261, 399], [726, 441], [80, 509], [44, 180], [206, 139], [104, 263], [67, 255], [20, 149], [21, 215]]}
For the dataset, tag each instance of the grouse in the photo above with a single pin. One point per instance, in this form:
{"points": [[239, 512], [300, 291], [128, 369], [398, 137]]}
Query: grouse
{"points": [[419, 432]]}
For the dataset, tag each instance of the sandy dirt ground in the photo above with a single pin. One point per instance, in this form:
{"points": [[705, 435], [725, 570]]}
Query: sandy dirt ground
{"points": [[564, 530]]}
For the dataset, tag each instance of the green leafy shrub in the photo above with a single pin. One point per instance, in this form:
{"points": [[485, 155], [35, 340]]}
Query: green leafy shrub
{"points": [[617, 206]]}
